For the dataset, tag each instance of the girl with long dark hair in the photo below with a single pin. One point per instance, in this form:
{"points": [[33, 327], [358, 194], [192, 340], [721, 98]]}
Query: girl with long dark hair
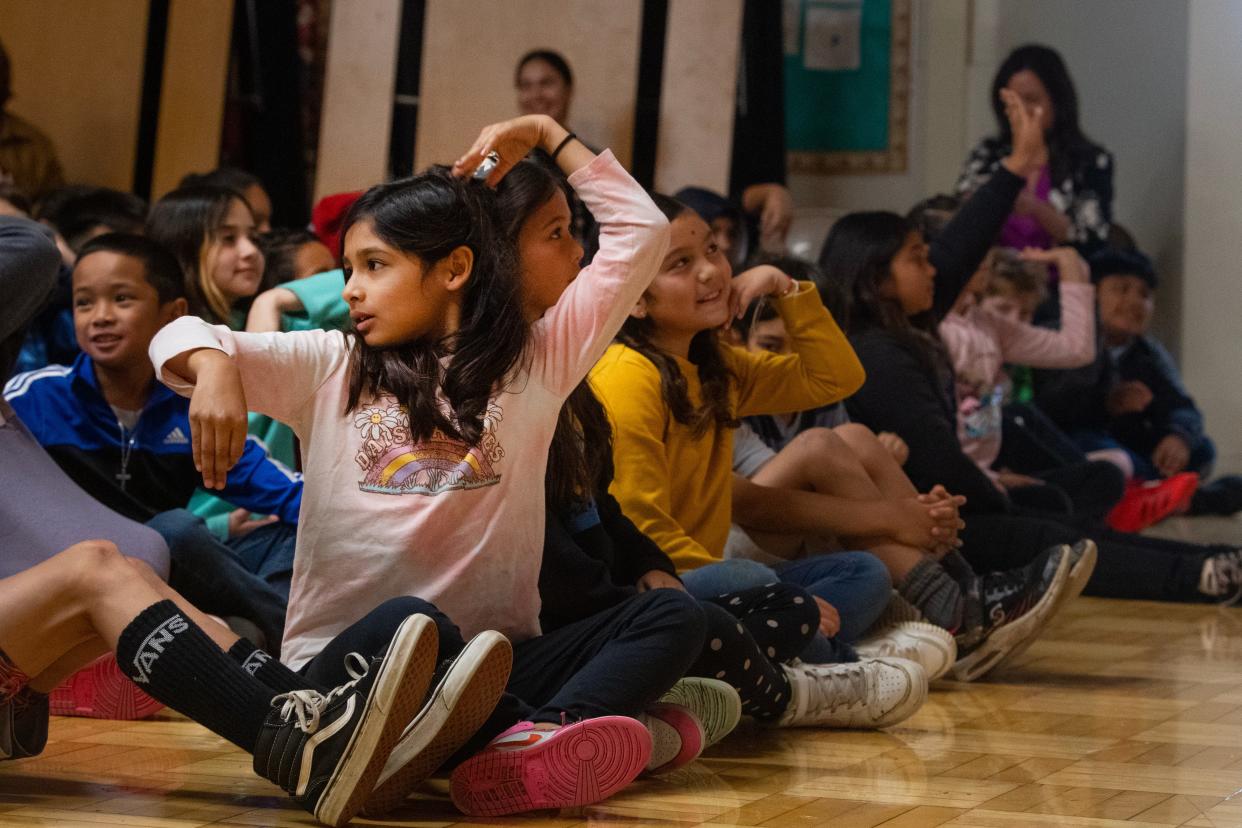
{"points": [[425, 434], [674, 393], [594, 555], [896, 296]]}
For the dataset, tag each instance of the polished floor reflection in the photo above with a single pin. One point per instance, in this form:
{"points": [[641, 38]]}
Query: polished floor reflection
{"points": [[1124, 713]]}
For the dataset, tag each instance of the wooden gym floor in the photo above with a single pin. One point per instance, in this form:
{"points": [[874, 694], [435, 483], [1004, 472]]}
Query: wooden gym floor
{"points": [[1124, 713]]}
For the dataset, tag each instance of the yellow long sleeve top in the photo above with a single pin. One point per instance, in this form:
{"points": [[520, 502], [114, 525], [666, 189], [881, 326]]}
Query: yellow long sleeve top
{"points": [[677, 488]]}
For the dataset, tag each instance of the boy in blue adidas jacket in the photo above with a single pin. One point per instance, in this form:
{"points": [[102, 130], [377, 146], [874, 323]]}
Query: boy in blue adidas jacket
{"points": [[125, 438]]}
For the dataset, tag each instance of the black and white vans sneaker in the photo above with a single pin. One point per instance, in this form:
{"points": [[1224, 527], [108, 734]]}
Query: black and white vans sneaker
{"points": [[458, 706], [23, 724], [327, 750]]}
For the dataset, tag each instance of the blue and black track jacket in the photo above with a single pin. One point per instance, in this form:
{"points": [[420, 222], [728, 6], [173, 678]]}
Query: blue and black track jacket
{"points": [[150, 469]]}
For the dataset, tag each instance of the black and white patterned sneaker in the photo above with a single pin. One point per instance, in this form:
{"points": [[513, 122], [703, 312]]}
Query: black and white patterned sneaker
{"points": [[1006, 612], [327, 749], [23, 724]]}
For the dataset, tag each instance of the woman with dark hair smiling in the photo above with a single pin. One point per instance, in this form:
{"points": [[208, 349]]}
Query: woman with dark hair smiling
{"points": [[1069, 198], [545, 85]]}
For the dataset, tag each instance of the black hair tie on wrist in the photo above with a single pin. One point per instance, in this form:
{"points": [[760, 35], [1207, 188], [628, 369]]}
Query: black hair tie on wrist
{"points": [[571, 136]]}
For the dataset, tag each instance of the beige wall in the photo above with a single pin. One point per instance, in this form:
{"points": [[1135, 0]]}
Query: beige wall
{"points": [[196, 58], [1211, 296], [77, 70], [695, 139], [937, 58], [469, 58], [1132, 99], [356, 122]]}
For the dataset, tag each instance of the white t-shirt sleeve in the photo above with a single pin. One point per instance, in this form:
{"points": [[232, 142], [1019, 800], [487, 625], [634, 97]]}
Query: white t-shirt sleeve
{"points": [[280, 372]]}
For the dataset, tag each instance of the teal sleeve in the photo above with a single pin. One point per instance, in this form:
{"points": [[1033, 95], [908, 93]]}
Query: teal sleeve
{"points": [[322, 303], [213, 510]]}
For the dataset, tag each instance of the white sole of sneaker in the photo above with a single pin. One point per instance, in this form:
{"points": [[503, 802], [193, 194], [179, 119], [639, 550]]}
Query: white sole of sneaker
{"points": [[1011, 640], [457, 708], [398, 692], [715, 703], [1079, 574]]}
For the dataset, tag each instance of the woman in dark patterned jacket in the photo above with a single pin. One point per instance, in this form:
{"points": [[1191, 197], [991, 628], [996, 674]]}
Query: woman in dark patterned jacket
{"points": [[1069, 199]]}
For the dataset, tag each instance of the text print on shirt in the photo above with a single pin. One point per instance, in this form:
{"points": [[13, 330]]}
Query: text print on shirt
{"points": [[394, 464]]}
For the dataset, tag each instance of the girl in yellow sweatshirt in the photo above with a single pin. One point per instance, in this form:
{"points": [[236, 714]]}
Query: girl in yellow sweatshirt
{"points": [[674, 392]]}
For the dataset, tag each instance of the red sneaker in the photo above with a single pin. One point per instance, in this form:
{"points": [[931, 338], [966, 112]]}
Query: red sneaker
{"points": [[1147, 502], [101, 691]]}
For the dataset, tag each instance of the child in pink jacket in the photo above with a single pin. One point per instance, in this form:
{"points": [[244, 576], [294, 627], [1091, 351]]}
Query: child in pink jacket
{"points": [[983, 335]]}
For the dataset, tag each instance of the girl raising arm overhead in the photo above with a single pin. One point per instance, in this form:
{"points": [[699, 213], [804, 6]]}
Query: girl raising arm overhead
{"points": [[425, 430]]}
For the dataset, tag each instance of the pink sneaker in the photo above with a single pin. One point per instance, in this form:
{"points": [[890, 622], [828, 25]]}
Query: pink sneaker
{"points": [[524, 769], [101, 691], [676, 736]]}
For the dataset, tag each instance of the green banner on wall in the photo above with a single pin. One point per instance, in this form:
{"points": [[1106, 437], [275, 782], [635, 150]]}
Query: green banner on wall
{"points": [[846, 84]]}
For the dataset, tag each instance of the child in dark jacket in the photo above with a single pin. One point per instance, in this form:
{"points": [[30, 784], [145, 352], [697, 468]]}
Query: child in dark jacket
{"points": [[126, 439], [1132, 397]]}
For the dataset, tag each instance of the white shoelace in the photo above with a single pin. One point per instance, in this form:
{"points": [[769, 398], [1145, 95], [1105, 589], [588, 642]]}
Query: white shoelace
{"points": [[838, 688], [308, 704]]}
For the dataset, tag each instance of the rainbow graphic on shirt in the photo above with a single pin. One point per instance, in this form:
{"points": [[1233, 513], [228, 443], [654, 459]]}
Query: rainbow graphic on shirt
{"points": [[394, 464]]}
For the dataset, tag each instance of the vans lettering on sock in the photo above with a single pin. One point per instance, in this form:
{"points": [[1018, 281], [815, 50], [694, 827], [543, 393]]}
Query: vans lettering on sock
{"points": [[254, 661], [152, 647]]}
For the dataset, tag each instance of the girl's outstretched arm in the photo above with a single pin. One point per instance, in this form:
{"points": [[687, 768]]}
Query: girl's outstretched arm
{"points": [[226, 373], [633, 237]]}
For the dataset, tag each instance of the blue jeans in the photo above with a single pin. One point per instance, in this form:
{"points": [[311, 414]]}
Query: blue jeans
{"points": [[216, 578], [856, 583], [268, 553]]}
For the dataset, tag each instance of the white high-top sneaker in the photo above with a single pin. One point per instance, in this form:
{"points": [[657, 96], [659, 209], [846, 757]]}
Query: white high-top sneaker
{"points": [[932, 647], [874, 692]]}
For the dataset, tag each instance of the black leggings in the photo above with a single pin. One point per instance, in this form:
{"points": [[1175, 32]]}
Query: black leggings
{"points": [[616, 662], [749, 634], [1130, 566], [1031, 443]]}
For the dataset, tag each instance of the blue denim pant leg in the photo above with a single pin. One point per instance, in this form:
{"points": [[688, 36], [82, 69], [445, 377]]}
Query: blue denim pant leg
{"points": [[209, 575], [723, 577], [856, 583], [736, 574], [268, 553]]}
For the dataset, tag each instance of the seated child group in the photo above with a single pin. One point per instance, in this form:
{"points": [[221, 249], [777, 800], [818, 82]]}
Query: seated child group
{"points": [[461, 483]]}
